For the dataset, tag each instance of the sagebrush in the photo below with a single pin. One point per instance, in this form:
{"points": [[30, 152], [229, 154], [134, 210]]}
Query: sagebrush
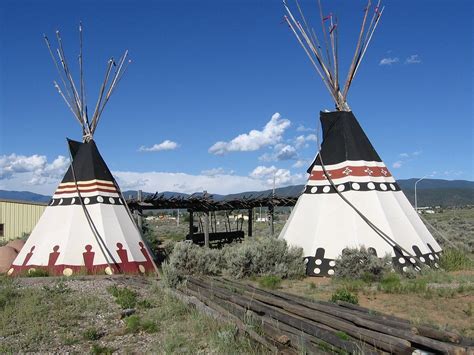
{"points": [[355, 263], [253, 257]]}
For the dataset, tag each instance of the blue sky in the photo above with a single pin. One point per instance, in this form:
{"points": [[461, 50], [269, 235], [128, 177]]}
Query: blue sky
{"points": [[208, 71]]}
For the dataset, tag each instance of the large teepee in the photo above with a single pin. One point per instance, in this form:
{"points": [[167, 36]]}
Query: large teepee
{"points": [[87, 227], [350, 199]]}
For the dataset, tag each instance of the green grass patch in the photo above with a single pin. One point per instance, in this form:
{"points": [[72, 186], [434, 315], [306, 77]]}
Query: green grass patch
{"points": [[270, 282], [352, 285], [344, 295], [135, 324], [91, 334], [37, 273], [454, 260], [132, 323], [124, 297], [342, 335], [101, 350]]}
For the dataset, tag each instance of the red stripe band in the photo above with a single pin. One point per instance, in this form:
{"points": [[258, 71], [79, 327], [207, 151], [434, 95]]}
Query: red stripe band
{"points": [[106, 184], [84, 190], [371, 171]]}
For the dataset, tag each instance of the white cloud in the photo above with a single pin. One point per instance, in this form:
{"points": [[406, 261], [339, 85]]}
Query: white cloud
{"points": [[34, 173], [301, 163], [301, 141], [398, 164], [406, 157], [283, 177], [413, 59], [254, 140], [302, 128], [389, 61], [188, 183], [286, 153], [32, 170], [165, 145], [280, 152], [217, 171]]}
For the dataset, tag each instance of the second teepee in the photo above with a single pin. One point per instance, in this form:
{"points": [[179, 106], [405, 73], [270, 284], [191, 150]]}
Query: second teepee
{"points": [[351, 199]]}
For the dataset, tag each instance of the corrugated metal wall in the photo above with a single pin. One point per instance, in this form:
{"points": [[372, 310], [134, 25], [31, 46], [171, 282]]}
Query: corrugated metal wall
{"points": [[19, 218]]}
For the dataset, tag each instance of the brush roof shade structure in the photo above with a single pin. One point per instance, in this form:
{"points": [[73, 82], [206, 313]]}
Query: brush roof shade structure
{"points": [[351, 199], [87, 226]]}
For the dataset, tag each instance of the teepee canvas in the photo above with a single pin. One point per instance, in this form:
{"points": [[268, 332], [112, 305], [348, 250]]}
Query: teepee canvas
{"points": [[87, 227], [351, 199]]}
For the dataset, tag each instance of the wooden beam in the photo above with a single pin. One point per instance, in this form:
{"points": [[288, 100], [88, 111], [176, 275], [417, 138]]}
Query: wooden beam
{"points": [[250, 223], [191, 222], [206, 229]]}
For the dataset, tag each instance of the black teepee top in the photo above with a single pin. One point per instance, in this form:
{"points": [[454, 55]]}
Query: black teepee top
{"points": [[88, 163], [343, 139]]}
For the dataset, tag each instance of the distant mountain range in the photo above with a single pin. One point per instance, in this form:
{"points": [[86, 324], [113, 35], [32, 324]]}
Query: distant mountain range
{"points": [[23, 196], [431, 192]]}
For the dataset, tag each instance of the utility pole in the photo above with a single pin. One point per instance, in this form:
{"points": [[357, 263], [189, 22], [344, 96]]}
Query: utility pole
{"points": [[416, 200], [206, 225]]}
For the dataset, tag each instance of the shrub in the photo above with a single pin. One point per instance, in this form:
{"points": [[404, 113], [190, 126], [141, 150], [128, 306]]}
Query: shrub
{"points": [[91, 334], [361, 264], [271, 282], [171, 276], [132, 323], [191, 259], [344, 295], [37, 273], [97, 349], [454, 259], [124, 297], [253, 257], [262, 257], [58, 288]]}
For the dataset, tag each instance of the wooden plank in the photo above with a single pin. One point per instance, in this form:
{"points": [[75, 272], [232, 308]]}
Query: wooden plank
{"points": [[252, 334], [288, 316], [365, 313]]}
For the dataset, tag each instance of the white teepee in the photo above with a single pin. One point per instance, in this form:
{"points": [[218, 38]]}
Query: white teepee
{"points": [[350, 199], [87, 227]]}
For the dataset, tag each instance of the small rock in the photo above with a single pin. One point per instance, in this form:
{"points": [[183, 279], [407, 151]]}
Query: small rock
{"points": [[127, 312]]}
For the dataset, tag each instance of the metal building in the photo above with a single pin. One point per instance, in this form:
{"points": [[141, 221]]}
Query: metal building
{"points": [[18, 218]]}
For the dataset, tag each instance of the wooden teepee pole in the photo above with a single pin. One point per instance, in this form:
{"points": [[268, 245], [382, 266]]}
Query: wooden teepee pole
{"points": [[350, 74]]}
